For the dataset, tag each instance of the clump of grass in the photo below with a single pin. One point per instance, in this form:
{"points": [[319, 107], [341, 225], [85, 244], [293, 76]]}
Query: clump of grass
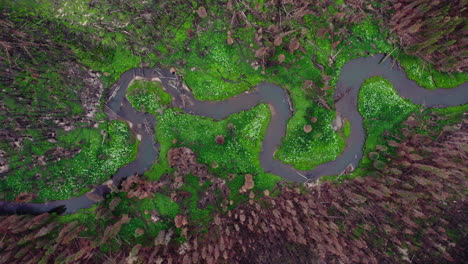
{"points": [[347, 129], [148, 97]]}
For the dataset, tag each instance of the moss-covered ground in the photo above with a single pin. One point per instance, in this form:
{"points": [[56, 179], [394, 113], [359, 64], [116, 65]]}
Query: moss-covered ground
{"points": [[382, 109], [99, 158], [426, 76], [148, 97]]}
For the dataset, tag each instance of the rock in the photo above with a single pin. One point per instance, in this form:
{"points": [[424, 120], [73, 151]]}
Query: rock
{"points": [[230, 41], [4, 168], [155, 216], [159, 240], [242, 218], [293, 45], [338, 122]]}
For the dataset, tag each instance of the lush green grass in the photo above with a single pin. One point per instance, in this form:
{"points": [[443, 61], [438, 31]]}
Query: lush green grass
{"points": [[307, 150], [426, 76], [243, 133], [381, 108], [215, 70], [98, 159], [148, 97]]}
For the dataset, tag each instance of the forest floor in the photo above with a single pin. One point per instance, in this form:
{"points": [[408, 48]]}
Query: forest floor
{"points": [[61, 58]]}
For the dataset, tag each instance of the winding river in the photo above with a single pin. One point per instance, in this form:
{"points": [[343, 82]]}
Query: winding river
{"points": [[352, 76]]}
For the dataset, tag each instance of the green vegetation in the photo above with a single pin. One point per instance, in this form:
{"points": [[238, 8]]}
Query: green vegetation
{"points": [[148, 97], [215, 70], [147, 217], [218, 58], [425, 75], [442, 119], [199, 215], [383, 121], [98, 159], [141, 213], [243, 133], [382, 109], [307, 150], [54, 52], [347, 129]]}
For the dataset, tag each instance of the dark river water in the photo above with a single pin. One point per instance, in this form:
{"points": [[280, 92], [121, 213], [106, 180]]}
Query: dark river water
{"points": [[352, 76]]}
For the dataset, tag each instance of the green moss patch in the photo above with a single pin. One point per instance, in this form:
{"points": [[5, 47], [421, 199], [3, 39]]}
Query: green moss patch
{"points": [[216, 70], [148, 97], [243, 133], [98, 160], [307, 150], [381, 108], [426, 76]]}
